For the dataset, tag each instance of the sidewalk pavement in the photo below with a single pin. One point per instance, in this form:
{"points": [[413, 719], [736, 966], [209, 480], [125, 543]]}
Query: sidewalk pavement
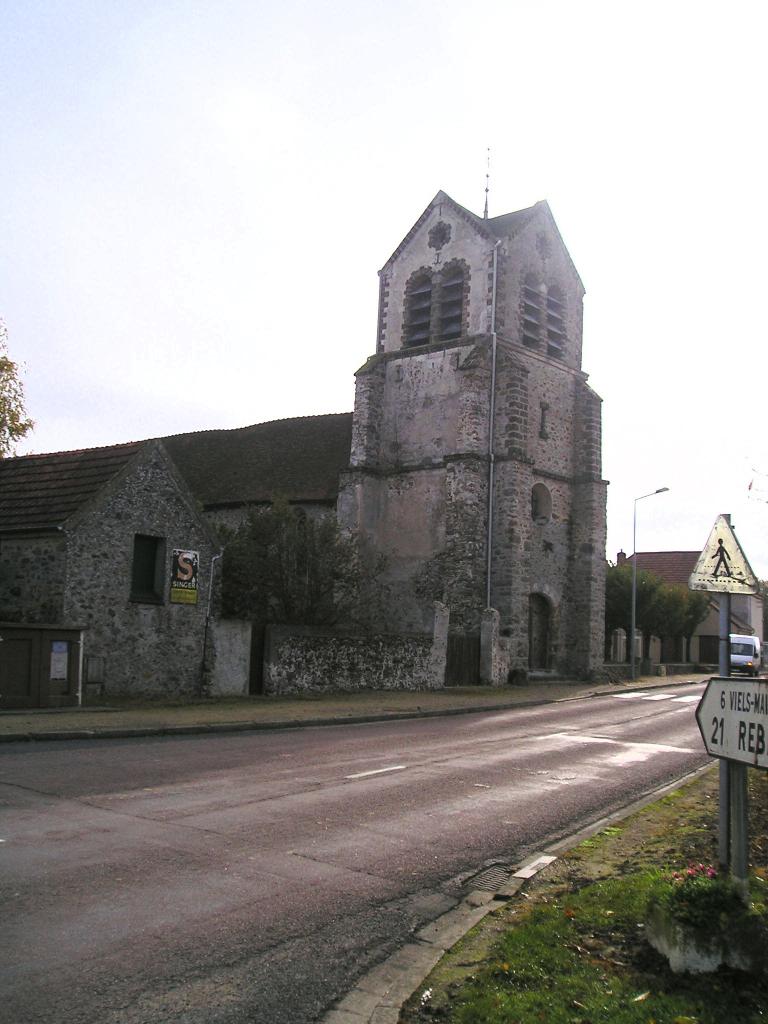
{"points": [[123, 718]]}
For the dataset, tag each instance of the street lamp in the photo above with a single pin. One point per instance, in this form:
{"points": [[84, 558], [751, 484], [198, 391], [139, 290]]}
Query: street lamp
{"points": [[650, 494]]}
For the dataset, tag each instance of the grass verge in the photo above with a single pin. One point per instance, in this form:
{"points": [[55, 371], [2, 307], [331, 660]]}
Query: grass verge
{"points": [[572, 949]]}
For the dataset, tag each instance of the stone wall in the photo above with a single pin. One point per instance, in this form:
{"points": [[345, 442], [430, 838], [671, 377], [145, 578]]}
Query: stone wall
{"points": [[302, 660], [537, 249], [32, 579], [140, 646], [229, 648]]}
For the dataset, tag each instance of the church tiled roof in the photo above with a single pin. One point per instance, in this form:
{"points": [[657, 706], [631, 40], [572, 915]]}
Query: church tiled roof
{"points": [[299, 459], [39, 492]]}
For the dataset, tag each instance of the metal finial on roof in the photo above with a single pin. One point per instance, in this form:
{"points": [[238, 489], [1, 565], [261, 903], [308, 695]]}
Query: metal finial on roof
{"points": [[487, 179]]}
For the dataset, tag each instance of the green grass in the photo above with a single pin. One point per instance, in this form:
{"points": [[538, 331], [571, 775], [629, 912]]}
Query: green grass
{"points": [[582, 960]]}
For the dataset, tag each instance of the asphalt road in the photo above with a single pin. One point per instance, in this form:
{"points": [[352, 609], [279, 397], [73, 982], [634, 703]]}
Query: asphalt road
{"points": [[253, 877]]}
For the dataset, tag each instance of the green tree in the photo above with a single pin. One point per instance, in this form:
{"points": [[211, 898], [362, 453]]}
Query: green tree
{"points": [[663, 609], [696, 608], [284, 566], [618, 599], [14, 422]]}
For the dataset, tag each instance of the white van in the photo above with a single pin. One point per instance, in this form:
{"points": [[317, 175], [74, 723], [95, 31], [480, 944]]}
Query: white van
{"points": [[745, 654]]}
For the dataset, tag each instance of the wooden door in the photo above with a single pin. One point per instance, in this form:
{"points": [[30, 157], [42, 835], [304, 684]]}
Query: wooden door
{"points": [[20, 670], [462, 663], [538, 632]]}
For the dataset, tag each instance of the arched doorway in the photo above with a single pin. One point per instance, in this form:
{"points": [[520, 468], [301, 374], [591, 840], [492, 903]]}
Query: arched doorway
{"points": [[539, 625]]}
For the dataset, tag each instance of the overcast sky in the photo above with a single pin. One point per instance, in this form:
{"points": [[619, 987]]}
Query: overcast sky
{"points": [[195, 198]]}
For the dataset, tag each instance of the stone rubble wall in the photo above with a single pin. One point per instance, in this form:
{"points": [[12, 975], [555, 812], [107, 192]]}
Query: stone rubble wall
{"points": [[32, 579], [299, 660]]}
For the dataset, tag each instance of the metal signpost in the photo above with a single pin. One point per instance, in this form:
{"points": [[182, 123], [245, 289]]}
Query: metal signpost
{"points": [[733, 714]]}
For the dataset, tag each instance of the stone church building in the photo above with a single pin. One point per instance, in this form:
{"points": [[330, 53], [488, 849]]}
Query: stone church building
{"points": [[470, 469], [476, 441]]}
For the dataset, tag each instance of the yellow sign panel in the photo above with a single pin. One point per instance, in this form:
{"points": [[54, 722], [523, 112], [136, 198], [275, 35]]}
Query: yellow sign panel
{"points": [[722, 567]]}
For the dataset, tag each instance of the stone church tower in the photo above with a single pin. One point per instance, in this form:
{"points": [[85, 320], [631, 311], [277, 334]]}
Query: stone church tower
{"points": [[475, 467]]}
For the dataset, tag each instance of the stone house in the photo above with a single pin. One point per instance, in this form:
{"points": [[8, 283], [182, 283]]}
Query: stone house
{"points": [[106, 545], [475, 466]]}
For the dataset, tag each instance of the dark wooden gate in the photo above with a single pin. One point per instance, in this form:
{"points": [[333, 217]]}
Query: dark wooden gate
{"points": [[256, 676], [39, 666], [538, 632], [462, 664]]}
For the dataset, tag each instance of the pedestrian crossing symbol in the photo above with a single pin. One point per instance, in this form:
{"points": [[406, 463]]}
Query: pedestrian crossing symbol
{"points": [[722, 566]]}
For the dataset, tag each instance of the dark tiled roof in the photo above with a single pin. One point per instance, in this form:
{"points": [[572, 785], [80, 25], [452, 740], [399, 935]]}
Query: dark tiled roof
{"points": [[42, 491], [508, 224], [504, 226], [298, 458], [670, 566]]}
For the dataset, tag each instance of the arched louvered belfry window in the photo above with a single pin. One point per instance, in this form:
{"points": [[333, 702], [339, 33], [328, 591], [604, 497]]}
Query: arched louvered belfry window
{"points": [[418, 308], [452, 301], [543, 317], [533, 311], [555, 322]]}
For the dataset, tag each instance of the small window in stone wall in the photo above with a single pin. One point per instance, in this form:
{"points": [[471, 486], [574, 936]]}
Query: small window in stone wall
{"points": [[541, 504], [147, 570], [543, 410], [95, 669]]}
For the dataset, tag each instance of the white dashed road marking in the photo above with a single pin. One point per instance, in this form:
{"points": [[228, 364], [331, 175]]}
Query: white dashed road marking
{"points": [[652, 748], [647, 695], [377, 771]]}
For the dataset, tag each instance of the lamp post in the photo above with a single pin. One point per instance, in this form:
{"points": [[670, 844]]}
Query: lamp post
{"points": [[650, 494]]}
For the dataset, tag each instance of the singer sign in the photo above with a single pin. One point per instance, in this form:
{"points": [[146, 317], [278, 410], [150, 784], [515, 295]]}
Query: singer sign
{"points": [[184, 576]]}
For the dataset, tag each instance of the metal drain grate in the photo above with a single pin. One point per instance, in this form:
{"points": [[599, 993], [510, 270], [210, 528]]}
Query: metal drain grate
{"points": [[491, 879]]}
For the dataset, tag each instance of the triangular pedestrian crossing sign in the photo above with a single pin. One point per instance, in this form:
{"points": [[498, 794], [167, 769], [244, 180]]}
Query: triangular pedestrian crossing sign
{"points": [[722, 566]]}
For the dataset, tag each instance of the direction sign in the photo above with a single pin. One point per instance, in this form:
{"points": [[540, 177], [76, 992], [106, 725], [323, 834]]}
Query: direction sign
{"points": [[733, 720], [722, 566]]}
